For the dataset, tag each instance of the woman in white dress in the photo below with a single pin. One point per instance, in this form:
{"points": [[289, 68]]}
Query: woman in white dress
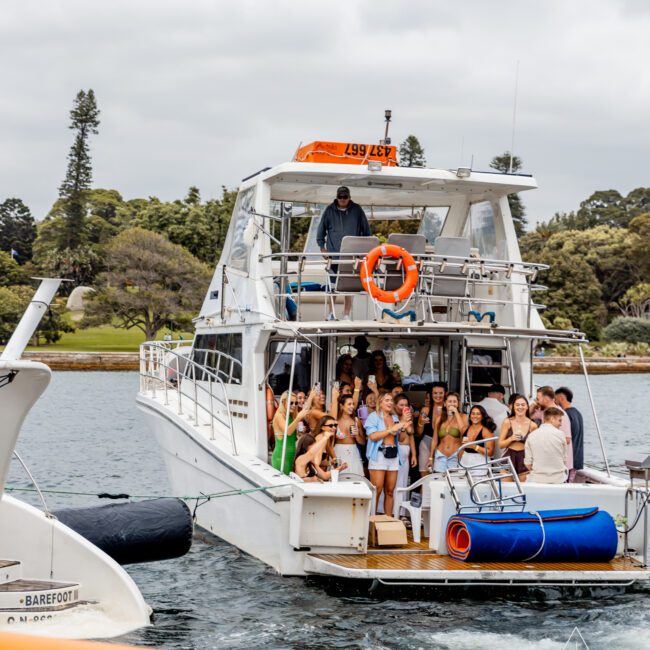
{"points": [[349, 432]]}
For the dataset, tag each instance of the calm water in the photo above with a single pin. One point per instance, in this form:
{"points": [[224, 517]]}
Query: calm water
{"points": [[86, 435]]}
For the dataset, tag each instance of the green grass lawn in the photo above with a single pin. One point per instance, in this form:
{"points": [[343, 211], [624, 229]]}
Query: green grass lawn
{"points": [[102, 339]]}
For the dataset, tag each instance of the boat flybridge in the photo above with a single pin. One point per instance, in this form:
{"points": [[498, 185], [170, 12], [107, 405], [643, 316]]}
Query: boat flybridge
{"points": [[469, 317]]}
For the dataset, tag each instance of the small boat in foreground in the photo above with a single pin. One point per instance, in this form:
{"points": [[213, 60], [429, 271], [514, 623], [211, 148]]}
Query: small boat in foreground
{"points": [[53, 582], [458, 307]]}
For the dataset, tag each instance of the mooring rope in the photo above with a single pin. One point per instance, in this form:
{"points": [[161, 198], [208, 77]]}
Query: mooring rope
{"points": [[108, 495]]}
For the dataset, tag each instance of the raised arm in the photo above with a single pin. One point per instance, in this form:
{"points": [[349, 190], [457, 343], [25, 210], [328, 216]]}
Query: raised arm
{"points": [[423, 419], [279, 424], [357, 392], [334, 404]]}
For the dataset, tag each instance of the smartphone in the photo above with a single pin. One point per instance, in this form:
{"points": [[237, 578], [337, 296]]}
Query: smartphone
{"points": [[371, 379], [336, 385]]}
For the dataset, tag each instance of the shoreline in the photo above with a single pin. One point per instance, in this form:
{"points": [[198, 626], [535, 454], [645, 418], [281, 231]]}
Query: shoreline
{"points": [[120, 361]]}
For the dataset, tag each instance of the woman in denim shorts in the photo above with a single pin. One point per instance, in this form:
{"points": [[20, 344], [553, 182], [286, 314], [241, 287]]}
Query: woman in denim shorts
{"points": [[382, 431]]}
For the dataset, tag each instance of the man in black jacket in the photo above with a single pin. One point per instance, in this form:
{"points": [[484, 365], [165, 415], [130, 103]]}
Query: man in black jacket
{"points": [[342, 217]]}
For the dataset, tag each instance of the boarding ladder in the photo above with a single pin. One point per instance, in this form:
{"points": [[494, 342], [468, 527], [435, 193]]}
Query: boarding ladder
{"points": [[483, 366], [493, 484]]}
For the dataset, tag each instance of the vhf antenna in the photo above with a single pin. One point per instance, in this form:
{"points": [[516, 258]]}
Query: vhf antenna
{"points": [[387, 116], [514, 118]]}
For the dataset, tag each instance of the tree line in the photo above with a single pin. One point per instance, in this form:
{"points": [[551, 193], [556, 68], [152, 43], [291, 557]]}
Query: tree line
{"points": [[598, 254]]}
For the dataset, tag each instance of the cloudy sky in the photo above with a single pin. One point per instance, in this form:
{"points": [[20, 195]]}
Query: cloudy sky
{"points": [[205, 92]]}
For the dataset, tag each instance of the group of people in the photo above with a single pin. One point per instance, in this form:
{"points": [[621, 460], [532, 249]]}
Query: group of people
{"points": [[371, 428]]}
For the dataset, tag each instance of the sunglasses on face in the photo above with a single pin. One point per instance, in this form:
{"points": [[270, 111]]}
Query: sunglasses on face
{"points": [[329, 426], [293, 403], [343, 197]]}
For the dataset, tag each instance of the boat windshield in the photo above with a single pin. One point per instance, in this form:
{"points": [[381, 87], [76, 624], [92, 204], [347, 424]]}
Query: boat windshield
{"points": [[427, 221]]}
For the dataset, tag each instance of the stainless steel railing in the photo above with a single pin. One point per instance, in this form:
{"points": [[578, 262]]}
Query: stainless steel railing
{"points": [[164, 368], [491, 473], [472, 272]]}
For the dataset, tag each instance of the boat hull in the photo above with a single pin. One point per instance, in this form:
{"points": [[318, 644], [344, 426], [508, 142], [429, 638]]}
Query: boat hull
{"points": [[255, 522]]}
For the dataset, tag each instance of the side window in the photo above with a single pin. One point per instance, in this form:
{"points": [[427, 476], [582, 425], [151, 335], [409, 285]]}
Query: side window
{"points": [[480, 228], [220, 353], [239, 254], [432, 222], [280, 355]]}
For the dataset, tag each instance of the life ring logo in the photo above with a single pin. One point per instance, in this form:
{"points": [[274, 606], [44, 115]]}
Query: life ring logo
{"points": [[576, 641]]}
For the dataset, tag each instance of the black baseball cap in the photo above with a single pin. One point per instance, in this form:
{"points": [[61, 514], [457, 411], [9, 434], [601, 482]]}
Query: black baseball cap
{"points": [[343, 192]]}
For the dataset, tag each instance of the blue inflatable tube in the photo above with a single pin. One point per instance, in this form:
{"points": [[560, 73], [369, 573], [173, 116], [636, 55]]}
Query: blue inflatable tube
{"points": [[583, 535]]}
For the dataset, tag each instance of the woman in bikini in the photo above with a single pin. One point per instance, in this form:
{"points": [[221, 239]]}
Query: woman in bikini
{"points": [[514, 431], [349, 433], [447, 437], [481, 427]]}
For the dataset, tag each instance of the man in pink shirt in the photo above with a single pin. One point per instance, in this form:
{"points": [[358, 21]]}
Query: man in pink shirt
{"points": [[546, 399]]}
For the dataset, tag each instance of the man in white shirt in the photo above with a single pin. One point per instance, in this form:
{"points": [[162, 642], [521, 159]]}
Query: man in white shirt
{"points": [[546, 448], [494, 405], [546, 399]]}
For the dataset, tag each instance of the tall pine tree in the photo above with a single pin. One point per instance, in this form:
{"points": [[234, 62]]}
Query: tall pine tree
{"points": [[17, 229], [502, 164], [84, 120], [411, 153]]}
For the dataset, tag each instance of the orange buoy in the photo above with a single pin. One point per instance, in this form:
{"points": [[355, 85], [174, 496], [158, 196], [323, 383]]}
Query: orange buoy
{"points": [[368, 267]]}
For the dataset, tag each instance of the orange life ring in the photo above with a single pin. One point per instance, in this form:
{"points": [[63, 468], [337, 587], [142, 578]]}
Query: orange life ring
{"points": [[370, 262]]}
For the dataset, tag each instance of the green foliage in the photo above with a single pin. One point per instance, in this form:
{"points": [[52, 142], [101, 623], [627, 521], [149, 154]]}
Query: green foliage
{"points": [[506, 166], [13, 302], [636, 301], [201, 228], [614, 349], [411, 153], [574, 291], [630, 330], [640, 243], [149, 283], [80, 264], [17, 229], [591, 328], [604, 208], [10, 271], [562, 323], [84, 120], [604, 249]]}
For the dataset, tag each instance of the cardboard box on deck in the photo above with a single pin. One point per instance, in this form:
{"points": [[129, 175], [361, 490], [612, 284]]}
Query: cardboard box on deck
{"points": [[386, 531]]}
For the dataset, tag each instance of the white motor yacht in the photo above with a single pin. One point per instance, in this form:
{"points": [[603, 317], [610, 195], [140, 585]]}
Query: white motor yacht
{"points": [[53, 582], [460, 308]]}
